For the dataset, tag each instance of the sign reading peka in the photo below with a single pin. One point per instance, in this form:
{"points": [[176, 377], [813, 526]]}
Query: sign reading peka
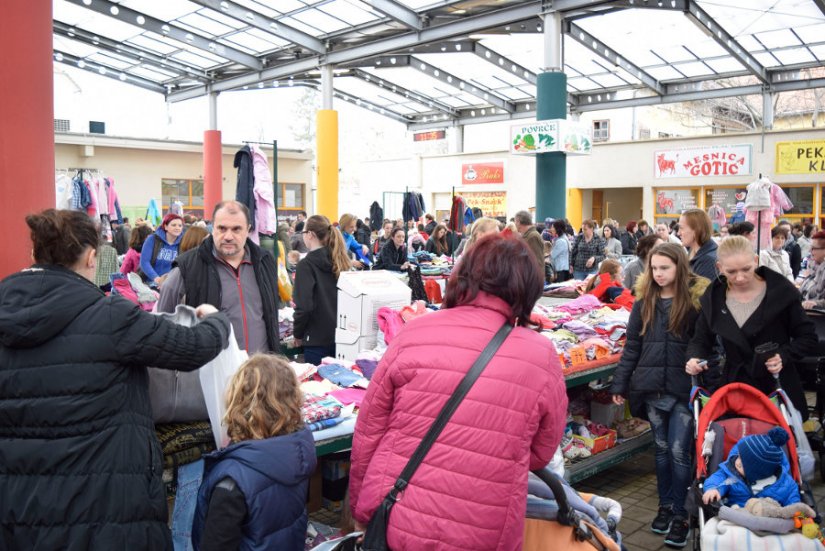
{"points": [[801, 157]]}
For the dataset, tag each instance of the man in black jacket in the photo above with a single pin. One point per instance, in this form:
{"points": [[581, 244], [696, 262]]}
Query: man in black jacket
{"points": [[234, 275], [792, 248]]}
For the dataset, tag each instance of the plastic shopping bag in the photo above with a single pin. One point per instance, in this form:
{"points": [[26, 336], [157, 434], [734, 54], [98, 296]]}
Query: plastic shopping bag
{"points": [[215, 377]]}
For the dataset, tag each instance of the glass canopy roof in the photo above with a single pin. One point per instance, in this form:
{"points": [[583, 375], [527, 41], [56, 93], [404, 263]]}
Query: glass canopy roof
{"points": [[447, 60]]}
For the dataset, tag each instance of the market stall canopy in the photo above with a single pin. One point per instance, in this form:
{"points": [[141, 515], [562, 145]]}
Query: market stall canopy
{"points": [[430, 63]]}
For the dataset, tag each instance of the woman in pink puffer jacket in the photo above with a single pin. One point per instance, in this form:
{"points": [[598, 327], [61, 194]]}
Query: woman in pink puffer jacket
{"points": [[470, 492]]}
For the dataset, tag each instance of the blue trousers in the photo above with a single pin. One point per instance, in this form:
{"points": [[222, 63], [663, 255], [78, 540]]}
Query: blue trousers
{"points": [[582, 274], [314, 354], [673, 433], [183, 515]]}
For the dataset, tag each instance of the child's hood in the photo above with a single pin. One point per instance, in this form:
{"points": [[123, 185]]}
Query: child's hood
{"points": [[286, 459], [697, 288]]}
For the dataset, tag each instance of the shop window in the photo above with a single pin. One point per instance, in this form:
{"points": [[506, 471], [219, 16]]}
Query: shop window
{"points": [[188, 192], [291, 197], [725, 197], [601, 131], [803, 200], [671, 202]]}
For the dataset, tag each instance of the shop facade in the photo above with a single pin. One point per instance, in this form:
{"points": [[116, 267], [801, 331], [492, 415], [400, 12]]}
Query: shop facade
{"points": [[653, 180]]}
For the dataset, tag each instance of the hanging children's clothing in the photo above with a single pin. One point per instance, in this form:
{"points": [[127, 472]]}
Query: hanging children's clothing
{"points": [[63, 187], [457, 213], [413, 207], [376, 216], [768, 198], [266, 221], [717, 216]]}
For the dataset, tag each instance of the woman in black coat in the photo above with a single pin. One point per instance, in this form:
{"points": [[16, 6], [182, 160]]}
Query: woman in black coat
{"points": [[393, 255], [748, 306], [81, 464]]}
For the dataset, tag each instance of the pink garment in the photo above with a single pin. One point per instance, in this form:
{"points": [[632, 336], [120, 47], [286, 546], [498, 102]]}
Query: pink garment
{"points": [[124, 289], [112, 200], [390, 323], [470, 491], [264, 195], [92, 209], [349, 396], [415, 310], [581, 305], [779, 204], [131, 262]]}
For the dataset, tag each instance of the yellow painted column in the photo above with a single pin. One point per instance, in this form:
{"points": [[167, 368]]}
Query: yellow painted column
{"points": [[327, 163], [574, 207]]}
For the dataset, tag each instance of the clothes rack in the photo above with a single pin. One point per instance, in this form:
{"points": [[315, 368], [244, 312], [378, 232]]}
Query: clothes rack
{"points": [[758, 227]]}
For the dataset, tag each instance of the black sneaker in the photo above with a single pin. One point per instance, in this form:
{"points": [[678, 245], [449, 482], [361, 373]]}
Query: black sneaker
{"points": [[678, 534], [661, 524]]}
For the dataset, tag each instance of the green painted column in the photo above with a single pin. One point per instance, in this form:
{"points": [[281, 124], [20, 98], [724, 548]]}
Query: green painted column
{"points": [[551, 168]]}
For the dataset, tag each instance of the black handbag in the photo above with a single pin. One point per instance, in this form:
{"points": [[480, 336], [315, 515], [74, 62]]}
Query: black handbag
{"points": [[375, 538]]}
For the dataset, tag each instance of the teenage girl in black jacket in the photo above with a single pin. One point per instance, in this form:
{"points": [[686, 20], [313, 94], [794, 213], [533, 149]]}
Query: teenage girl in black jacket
{"points": [[316, 289], [393, 254], [652, 367]]}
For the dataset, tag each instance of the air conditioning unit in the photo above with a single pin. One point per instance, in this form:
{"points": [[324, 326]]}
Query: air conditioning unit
{"points": [[62, 125]]}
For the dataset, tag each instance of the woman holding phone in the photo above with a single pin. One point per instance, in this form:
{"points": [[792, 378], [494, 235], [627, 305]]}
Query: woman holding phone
{"points": [[758, 316]]}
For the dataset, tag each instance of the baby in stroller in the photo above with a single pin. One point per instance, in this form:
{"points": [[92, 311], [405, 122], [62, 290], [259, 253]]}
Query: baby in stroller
{"points": [[756, 467]]}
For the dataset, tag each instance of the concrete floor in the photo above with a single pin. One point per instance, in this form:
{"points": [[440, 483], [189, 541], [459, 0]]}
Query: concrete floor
{"points": [[633, 484]]}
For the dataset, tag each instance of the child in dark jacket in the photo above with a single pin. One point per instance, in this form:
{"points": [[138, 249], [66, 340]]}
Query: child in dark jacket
{"points": [[254, 491], [653, 367], [756, 467]]}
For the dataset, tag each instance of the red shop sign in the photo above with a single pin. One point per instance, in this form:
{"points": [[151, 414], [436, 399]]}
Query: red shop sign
{"points": [[482, 173]]}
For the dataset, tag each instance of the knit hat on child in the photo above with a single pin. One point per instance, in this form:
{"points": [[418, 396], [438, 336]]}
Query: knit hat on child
{"points": [[762, 454]]}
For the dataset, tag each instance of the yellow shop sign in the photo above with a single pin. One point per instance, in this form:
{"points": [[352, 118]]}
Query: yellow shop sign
{"points": [[800, 157]]}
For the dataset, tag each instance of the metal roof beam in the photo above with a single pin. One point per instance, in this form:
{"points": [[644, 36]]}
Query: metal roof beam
{"points": [[143, 21], [380, 61], [445, 47], [108, 71], [134, 53], [264, 23], [473, 89], [460, 27], [417, 97], [612, 56], [821, 5], [504, 63], [404, 15], [600, 5], [711, 28]]}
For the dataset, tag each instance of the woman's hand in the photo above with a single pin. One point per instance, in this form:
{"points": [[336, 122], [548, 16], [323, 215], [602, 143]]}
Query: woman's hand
{"points": [[357, 264], [405, 266], [618, 399], [711, 495], [205, 309], [774, 364], [365, 249], [808, 304], [695, 366], [590, 262], [296, 343]]}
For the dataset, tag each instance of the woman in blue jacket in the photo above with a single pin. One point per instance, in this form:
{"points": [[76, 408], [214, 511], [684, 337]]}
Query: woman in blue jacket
{"points": [[347, 224], [161, 249], [560, 254]]}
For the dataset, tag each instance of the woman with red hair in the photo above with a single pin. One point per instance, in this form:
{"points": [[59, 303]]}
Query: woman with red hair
{"points": [[469, 492]]}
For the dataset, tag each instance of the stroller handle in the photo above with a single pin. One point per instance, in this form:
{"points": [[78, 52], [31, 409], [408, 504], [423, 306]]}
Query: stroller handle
{"points": [[555, 485]]}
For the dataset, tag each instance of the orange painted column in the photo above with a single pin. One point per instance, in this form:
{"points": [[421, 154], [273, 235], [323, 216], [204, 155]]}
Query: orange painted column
{"points": [[26, 124], [212, 171]]}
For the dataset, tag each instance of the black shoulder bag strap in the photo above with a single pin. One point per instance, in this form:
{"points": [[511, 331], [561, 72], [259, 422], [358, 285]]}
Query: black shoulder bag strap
{"points": [[375, 538]]}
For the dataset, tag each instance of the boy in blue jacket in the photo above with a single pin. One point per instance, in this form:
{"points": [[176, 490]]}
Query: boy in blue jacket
{"points": [[756, 467]]}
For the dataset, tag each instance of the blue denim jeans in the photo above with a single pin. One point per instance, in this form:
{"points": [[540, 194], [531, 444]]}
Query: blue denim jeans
{"points": [[582, 274], [314, 354], [673, 433], [183, 515]]}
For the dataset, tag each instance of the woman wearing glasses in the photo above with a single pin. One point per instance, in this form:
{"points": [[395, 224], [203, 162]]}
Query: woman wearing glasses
{"points": [[813, 286]]}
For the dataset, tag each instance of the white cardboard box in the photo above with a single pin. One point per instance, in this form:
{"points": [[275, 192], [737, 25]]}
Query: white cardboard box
{"points": [[362, 294], [349, 344]]}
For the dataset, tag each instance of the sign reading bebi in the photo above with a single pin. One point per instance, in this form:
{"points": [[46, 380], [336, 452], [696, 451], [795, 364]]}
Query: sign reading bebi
{"points": [[693, 162]]}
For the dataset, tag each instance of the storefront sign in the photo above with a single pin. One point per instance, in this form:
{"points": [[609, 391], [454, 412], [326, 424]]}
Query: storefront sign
{"points": [[549, 136], [482, 173], [674, 201], [723, 160], [802, 157], [429, 136], [491, 203]]}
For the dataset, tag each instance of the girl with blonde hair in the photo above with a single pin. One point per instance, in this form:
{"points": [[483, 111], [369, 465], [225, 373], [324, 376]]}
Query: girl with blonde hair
{"points": [[480, 228], [750, 307], [254, 491]]}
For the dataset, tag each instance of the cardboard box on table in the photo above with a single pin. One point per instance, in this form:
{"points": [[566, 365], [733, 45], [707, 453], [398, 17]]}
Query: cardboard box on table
{"points": [[360, 296]]}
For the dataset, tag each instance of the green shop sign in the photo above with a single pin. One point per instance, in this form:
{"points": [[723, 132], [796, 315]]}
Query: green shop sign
{"points": [[552, 135]]}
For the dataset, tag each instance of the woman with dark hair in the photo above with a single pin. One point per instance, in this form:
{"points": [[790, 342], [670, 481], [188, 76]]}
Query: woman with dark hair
{"points": [[612, 245], [495, 283], [438, 243], [394, 254], [131, 263], [82, 466], [316, 289], [696, 232], [560, 254], [636, 266], [628, 238]]}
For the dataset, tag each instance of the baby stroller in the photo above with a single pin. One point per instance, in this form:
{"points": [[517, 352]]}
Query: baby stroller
{"points": [[734, 411]]}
